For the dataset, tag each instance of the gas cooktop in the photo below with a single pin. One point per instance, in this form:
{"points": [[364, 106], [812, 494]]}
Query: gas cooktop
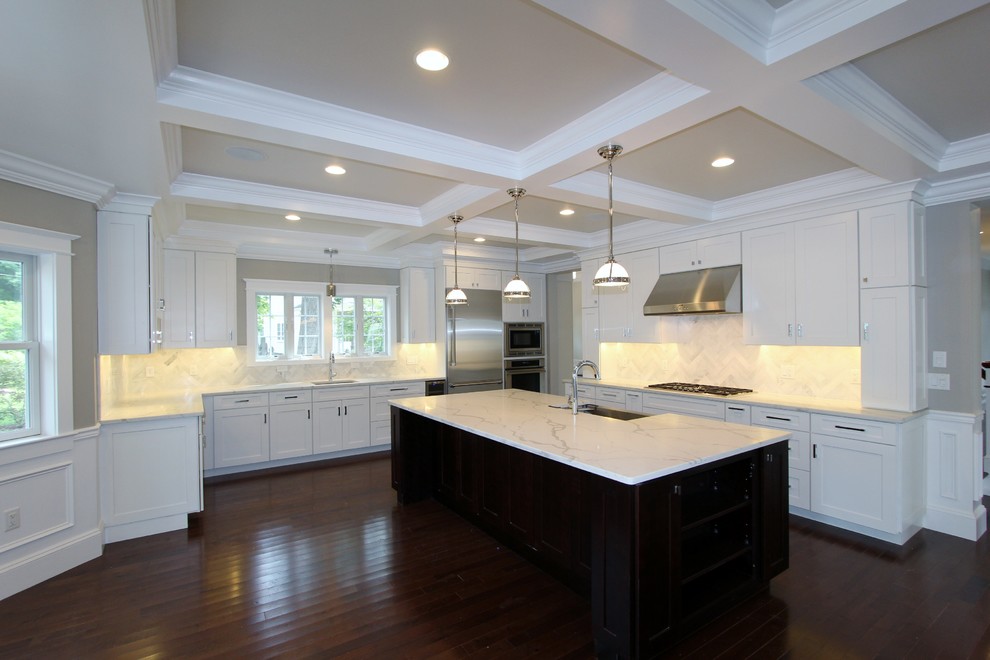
{"points": [[695, 388]]}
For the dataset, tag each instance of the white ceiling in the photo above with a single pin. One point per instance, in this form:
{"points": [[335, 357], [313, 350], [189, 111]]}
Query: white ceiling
{"points": [[811, 97]]}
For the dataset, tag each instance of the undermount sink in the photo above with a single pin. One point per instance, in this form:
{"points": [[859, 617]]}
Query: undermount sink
{"points": [[335, 381], [614, 413]]}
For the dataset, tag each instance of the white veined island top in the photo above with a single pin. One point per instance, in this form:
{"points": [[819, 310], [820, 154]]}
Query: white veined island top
{"points": [[630, 452]]}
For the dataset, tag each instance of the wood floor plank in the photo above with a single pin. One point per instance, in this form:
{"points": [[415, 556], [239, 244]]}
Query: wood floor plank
{"points": [[324, 563]]}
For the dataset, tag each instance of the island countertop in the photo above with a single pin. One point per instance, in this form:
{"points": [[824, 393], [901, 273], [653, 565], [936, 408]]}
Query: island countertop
{"points": [[630, 452]]}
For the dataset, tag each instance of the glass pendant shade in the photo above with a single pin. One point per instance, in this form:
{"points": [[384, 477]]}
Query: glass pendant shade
{"points": [[455, 296], [516, 289], [611, 273]]}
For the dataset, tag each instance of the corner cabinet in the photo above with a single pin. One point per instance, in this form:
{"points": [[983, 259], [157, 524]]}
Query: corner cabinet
{"points": [[151, 476], [127, 265], [800, 285], [416, 300], [200, 299]]}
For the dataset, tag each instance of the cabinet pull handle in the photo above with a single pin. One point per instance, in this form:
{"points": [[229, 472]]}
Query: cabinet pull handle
{"points": [[790, 329], [849, 428], [308, 414], [345, 410], [781, 419], [677, 489], [265, 419], [866, 332], [800, 330], [398, 389], [230, 335], [736, 409], [338, 411], [243, 401], [769, 458], [294, 396], [814, 451]]}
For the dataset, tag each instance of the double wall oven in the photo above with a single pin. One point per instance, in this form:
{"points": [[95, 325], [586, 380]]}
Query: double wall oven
{"points": [[525, 357]]}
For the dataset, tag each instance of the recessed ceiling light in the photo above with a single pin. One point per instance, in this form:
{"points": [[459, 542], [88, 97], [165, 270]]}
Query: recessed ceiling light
{"points": [[567, 211], [432, 60], [723, 162], [481, 239], [245, 153], [334, 169], [293, 217]]}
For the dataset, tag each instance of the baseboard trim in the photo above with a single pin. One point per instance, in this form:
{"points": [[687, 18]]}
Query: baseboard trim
{"points": [[969, 525], [125, 531], [34, 569]]}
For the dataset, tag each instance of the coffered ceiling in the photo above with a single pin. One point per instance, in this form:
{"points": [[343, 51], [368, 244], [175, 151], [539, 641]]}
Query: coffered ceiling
{"points": [[229, 111]]}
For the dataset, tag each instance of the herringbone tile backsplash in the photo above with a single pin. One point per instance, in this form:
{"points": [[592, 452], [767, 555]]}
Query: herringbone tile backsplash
{"points": [[709, 350]]}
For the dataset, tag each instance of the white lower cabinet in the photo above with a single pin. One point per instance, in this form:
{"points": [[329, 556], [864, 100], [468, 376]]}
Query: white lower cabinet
{"points": [[611, 397], [291, 424], [799, 478], [341, 419], [151, 475], [381, 420], [240, 429], [656, 404]]}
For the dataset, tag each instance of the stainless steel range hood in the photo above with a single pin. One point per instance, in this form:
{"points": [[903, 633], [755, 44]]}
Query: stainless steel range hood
{"points": [[708, 291]]}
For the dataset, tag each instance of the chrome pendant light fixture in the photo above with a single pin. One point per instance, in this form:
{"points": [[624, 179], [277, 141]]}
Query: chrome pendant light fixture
{"points": [[455, 296], [516, 289], [611, 273], [331, 288]]}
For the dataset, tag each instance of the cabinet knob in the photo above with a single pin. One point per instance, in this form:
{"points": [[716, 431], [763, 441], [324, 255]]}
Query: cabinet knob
{"points": [[866, 279]]}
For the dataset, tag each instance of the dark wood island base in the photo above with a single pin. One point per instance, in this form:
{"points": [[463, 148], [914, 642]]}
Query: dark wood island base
{"points": [[658, 559]]}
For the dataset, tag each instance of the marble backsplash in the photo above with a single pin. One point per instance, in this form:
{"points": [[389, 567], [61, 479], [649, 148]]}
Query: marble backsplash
{"points": [[709, 349], [187, 373]]}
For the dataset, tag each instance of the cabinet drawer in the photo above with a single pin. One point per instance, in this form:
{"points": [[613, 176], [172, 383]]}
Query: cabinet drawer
{"points": [[610, 395], [338, 393], [799, 450], [683, 405], [381, 433], [634, 401], [854, 429], [799, 488], [738, 413], [777, 418], [228, 401], [290, 396], [398, 390]]}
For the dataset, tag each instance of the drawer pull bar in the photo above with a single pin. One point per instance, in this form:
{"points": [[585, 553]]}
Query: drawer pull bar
{"points": [[850, 428], [398, 389], [780, 419], [294, 396], [243, 401]]}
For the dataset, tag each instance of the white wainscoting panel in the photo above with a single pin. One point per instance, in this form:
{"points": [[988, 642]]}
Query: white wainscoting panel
{"points": [[954, 453]]}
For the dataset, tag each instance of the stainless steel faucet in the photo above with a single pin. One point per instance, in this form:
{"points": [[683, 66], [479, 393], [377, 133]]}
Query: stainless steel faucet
{"points": [[333, 361], [574, 386]]}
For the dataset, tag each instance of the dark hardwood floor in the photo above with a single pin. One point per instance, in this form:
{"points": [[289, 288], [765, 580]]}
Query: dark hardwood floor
{"points": [[324, 563]]}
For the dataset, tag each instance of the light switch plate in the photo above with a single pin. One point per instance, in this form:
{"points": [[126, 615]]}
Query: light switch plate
{"points": [[938, 359], [938, 381]]}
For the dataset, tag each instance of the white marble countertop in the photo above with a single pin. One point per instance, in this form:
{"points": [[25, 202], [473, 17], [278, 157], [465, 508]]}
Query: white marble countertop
{"points": [[187, 403], [803, 403], [630, 452]]}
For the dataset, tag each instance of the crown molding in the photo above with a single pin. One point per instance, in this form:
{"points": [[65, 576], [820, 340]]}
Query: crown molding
{"points": [[162, 36], [33, 173], [196, 90], [172, 145], [506, 229], [965, 153], [964, 189], [850, 88], [595, 184], [452, 200], [199, 187]]}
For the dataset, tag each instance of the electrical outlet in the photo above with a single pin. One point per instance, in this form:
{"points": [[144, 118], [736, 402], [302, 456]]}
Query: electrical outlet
{"points": [[11, 519], [938, 381]]}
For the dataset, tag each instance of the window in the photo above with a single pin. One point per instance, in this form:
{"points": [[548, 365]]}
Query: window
{"points": [[285, 321], [18, 346], [359, 326]]}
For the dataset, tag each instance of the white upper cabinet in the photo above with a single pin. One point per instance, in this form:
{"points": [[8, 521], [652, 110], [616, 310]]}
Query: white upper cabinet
{"points": [[126, 300], [621, 318], [800, 283], [892, 246], [589, 292], [179, 292], [469, 277], [416, 299], [534, 310], [216, 299], [704, 253], [200, 299]]}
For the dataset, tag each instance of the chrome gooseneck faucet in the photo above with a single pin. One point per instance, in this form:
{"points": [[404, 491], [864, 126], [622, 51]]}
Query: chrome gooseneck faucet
{"points": [[574, 376]]}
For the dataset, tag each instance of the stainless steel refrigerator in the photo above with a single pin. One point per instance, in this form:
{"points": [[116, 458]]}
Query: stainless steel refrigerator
{"points": [[474, 343]]}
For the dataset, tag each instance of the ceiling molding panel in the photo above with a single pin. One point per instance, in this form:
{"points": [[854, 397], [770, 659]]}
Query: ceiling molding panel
{"points": [[959, 190], [35, 174], [965, 153], [594, 185]]}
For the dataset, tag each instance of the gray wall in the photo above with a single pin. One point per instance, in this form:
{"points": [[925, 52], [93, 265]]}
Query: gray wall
{"points": [[953, 244], [261, 269], [22, 205]]}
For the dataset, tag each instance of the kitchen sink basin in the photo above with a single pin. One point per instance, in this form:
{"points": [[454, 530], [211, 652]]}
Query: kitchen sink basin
{"points": [[613, 413], [335, 381]]}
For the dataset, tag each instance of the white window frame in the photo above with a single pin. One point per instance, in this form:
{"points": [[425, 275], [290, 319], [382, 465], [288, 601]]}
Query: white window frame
{"points": [[51, 389], [377, 291], [253, 288]]}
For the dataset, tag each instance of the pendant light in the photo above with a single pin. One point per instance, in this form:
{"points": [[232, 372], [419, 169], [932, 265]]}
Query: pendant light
{"points": [[611, 273], [331, 288], [455, 296], [516, 289]]}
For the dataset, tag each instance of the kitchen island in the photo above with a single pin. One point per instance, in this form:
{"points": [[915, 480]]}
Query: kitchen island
{"points": [[664, 521]]}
